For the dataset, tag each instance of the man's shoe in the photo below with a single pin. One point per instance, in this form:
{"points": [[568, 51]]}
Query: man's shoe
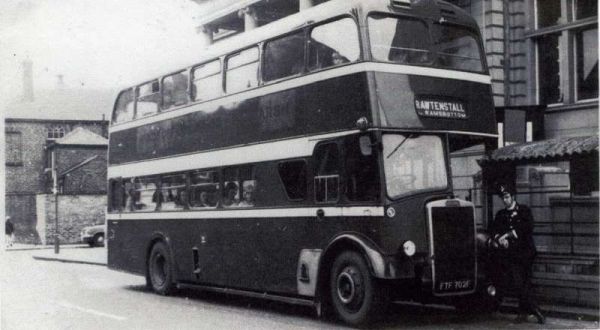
{"points": [[539, 316]]}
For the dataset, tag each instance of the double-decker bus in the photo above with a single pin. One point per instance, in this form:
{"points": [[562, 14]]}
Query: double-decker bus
{"points": [[307, 161]]}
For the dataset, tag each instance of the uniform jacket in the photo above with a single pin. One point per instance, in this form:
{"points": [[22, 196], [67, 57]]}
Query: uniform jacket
{"points": [[521, 246]]}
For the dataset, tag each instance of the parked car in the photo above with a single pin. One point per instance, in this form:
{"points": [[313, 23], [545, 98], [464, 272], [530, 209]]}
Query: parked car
{"points": [[93, 235]]}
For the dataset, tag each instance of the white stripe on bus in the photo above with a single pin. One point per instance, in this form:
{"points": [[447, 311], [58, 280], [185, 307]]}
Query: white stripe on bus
{"points": [[352, 211], [305, 80], [284, 149], [254, 153]]}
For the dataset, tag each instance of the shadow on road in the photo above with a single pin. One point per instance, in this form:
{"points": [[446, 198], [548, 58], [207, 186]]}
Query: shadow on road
{"points": [[395, 315]]}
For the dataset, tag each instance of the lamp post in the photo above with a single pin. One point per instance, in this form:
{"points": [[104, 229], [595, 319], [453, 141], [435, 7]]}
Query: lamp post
{"points": [[55, 193]]}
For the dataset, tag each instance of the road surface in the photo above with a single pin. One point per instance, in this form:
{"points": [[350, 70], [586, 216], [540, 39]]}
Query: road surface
{"points": [[40, 294]]}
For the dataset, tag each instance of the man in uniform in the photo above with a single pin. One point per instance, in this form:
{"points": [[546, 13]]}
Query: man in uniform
{"points": [[513, 251]]}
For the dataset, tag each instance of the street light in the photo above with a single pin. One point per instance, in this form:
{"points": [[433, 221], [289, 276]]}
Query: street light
{"points": [[55, 193]]}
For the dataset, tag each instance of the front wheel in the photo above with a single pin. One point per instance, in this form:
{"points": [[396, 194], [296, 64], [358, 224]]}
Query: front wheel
{"points": [[160, 270], [352, 289]]}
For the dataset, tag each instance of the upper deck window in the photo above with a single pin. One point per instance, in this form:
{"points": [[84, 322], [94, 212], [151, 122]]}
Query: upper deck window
{"points": [[333, 44], [242, 71], [207, 81], [284, 57], [457, 48], [403, 40], [175, 90], [148, 99], [124, 109], [411, 41]]}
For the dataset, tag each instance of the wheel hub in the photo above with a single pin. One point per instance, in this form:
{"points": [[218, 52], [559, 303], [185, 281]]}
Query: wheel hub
{"points": [[346, 287]]}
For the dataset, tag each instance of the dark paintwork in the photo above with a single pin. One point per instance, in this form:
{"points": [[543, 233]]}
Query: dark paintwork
{"points": [[322, 107], [326, 106], [261, 254]]}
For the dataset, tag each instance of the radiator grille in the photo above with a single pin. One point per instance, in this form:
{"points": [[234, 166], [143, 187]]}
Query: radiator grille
{"points": [[453, 250]]}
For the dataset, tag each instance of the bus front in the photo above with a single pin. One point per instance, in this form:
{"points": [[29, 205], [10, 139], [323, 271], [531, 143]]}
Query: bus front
{"points": [[430, 96]]}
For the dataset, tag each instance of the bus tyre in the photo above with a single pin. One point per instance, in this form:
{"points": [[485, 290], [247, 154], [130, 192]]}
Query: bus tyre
{"points": [[352, 289], [160, 270]]}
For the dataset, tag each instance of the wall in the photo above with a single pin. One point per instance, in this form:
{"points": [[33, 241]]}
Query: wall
{"points": [[74, 213], [88, 179], [26, 180]]}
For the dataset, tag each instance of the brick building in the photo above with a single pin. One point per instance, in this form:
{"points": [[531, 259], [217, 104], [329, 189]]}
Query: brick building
{"points": [[69, 124]]}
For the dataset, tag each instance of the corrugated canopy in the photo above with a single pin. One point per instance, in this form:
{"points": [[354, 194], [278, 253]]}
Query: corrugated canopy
{"points": [[546, 149]]}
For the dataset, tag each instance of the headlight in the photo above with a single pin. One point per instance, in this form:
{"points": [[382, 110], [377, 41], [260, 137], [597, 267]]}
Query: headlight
{"points": [[409, 248]]}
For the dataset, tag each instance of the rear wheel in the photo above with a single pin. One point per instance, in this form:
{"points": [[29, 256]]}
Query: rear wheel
{"points": [[160, 270], [352, 289]]}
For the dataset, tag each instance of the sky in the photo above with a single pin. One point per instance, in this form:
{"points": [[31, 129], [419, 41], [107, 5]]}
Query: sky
{"points": [[108, 44]]}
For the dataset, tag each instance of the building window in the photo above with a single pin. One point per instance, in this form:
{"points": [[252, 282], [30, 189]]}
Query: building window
{"points": [[549, 69], [584, 175], [565, 36], [587, 63], [585, 8], [56, 132], [548, 13], [14, 149]]}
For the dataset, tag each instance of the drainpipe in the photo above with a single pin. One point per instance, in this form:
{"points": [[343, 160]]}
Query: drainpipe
{"points": [[55, 193], [506, 60]]}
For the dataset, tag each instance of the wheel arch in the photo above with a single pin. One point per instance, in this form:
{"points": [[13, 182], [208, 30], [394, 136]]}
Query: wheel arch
{"points": [[348, 242], [155, 238]]}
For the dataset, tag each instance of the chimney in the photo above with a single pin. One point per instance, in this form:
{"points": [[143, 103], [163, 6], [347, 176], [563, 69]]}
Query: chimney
{"points": [[27, 66]]}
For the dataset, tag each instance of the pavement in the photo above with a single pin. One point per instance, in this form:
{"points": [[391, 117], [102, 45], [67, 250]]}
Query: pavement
{"points": [[83, 254]]}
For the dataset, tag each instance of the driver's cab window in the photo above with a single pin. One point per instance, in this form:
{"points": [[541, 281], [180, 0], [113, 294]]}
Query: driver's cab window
{"points": [[327, 173], [362, 175]]}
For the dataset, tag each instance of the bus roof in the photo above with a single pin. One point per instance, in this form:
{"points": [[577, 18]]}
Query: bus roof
{"points": [[434, 9]]}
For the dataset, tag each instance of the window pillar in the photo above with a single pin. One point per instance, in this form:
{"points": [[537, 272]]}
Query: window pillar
{"points": [[250, 18], [207, 33]]}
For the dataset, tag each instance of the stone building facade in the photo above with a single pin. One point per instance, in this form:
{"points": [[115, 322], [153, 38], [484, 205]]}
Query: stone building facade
{"points": [[543, 59]]}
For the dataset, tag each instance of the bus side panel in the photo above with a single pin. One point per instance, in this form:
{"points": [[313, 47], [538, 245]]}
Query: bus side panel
{"points": [[126, 246], [320, 107]]}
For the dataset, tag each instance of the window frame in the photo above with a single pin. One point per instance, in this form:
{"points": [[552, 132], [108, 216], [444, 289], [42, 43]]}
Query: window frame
{"points": [[19, 161], [567, 28], [340, 172], [306, 179], [221, 73], [225, 68], [433, 51], [133, 91], [263, 58], [161, 107], [137, 96], [309, 29]]}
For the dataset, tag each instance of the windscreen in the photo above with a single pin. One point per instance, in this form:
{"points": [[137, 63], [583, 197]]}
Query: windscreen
{"points": [[413, 163], [412, 41]]}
